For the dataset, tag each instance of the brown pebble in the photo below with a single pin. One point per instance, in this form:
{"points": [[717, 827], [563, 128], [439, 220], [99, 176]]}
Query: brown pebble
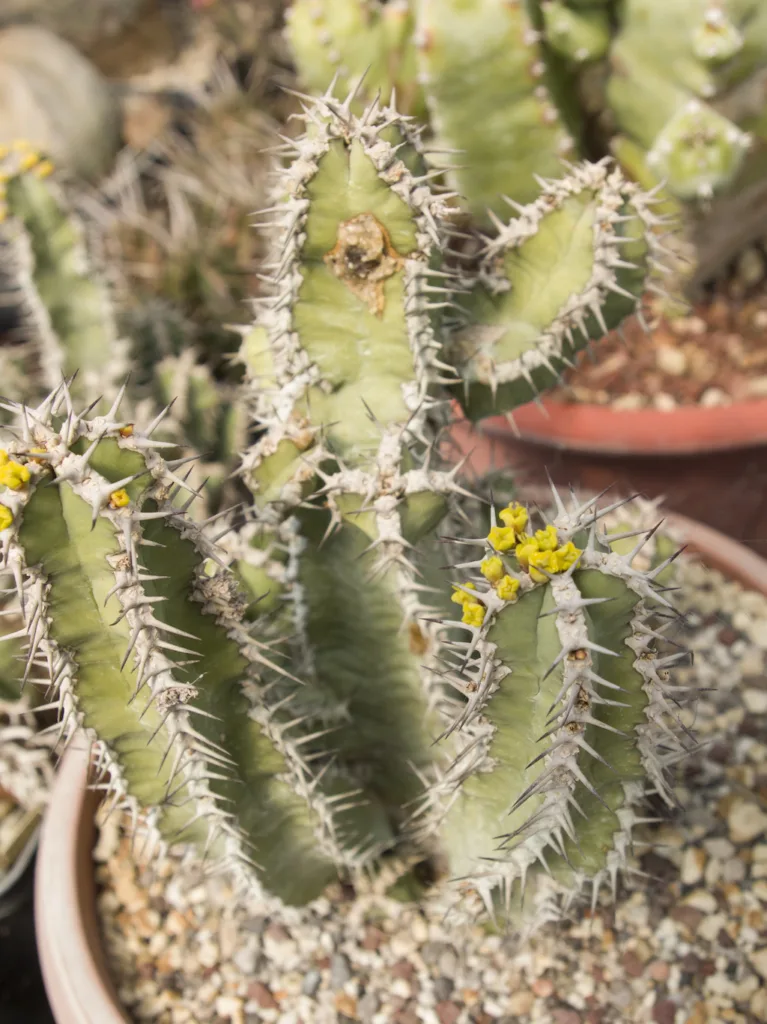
{"points": [[346, 1004], [566, 1016], [262, 995], [632, 965], [278, 932], [403, 969], [689, 963], [659, 970], [373, 938], [406, 1016], [664, 1012], [724, 939], [448, 1012], [688, 916], [543, 987]]}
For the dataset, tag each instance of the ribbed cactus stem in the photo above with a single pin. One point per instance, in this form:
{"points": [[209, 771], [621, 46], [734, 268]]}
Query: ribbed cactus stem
{"points": [[493, 99], [51, 272], [142, 635], [568, 268], [567, 713]]}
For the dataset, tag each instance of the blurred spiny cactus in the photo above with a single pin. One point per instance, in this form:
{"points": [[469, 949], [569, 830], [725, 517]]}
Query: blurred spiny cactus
{"points": [[287, 687], [512, 88], [64, 318]]}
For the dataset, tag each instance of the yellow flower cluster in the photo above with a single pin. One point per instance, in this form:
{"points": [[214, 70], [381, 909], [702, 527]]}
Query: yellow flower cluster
{"points": [[12, 474], [18, 158], [514, 519], [534, 552], [473, 611], [505, 586], [543, 551]]}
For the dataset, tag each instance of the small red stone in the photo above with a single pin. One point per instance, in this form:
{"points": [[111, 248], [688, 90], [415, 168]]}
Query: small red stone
{"points": [[262, 995]]}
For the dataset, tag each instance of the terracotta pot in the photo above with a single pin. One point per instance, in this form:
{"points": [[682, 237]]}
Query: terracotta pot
{"points": [[688, 430], [710, 464], [72, 957]]}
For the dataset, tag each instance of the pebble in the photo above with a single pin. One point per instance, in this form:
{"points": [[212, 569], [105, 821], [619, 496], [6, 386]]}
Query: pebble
{"points": [[311, 982], [693, 864], [340, 970], [746, 821], [759, 960], [755, 701]]}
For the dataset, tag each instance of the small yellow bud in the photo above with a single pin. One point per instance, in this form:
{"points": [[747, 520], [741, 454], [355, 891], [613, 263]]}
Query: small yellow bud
{"points": [[28, 161], [527, 546], [507, 588], [473, 614], [491, 568], [501, 538], [44, 169], [459, 597], [3, 457], [6, 517], [119, 499], [13, 475], [547, 539], [515, 516], [126, 431]]}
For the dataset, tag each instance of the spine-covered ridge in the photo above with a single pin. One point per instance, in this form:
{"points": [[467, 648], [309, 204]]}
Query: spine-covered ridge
{"points": [[567, 716]]}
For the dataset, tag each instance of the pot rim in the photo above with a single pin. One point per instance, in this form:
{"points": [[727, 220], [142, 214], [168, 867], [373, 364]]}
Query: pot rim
{"points": [[72, 957], [585, 427]]}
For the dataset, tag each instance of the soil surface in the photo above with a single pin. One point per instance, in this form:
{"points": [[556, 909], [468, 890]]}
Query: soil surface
{"points": [[715, 356]]}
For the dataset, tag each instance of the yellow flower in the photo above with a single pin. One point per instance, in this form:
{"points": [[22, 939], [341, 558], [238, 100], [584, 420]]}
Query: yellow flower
{"points": [[491, 568], [119, 499], [13, 474], [547, 539], [566, 556], [44, 169], [28, 161], [459, 597], [502, 538], [527, 546], [544, 560], [507, 588], [6, 517], [473, 614], [515, 516]]}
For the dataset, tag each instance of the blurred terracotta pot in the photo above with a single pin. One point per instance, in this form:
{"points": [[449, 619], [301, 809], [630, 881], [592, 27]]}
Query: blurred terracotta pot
{"points": [[69, 944]]}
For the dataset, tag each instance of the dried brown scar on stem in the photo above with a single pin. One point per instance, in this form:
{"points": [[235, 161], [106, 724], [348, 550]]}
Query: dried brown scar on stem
{"points": [[363, 258]]}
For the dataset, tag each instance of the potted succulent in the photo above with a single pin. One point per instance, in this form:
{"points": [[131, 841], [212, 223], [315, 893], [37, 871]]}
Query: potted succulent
{"points": [[209, 677], [296, 691], [390, 959]]}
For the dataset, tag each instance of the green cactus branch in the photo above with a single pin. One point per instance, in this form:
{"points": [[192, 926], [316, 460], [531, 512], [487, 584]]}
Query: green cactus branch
{"points": [[286, 686]]}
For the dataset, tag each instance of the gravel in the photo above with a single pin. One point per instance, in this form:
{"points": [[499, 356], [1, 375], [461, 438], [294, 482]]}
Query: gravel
{"points": [[685, 942]]}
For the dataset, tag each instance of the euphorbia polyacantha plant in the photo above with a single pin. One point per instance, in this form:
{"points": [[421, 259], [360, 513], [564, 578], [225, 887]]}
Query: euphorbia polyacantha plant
{"points": [[312, 693]]}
